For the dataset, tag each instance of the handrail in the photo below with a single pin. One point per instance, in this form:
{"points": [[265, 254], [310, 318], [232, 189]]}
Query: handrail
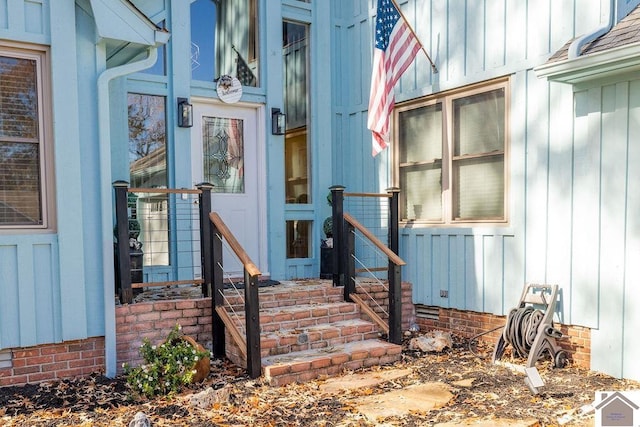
{"points": [[371, 313], [344, 257], [234, 245], [369, 235], [233, 330], [249, 345]]}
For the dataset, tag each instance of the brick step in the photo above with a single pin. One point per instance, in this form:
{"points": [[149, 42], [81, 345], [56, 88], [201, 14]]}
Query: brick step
{"points": [[302, 316], [307, 365], [325, 335], [289, 294]]}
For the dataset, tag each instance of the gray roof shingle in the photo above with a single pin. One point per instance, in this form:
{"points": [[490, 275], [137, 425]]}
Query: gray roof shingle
{"points": [[625, 32]]}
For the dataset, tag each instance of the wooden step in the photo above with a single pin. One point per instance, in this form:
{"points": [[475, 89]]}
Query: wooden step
{"points": [[307, 365]]}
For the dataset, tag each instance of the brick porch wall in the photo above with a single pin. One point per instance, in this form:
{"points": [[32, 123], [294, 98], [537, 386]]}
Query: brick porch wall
{"points": [[577, 343], [52, 361], [381, 297], [154, 321]]}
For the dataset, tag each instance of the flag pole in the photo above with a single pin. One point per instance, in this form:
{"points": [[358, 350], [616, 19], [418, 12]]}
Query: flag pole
{"points": [[433, 66]]}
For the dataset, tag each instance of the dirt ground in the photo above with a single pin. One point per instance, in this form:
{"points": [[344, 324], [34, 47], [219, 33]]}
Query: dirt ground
{"points": [[489, 392]]}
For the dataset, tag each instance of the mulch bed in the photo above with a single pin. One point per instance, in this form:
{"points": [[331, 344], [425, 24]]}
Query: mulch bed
{"points": [[496, 391]]}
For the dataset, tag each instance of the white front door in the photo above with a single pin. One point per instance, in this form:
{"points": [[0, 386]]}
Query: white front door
{"points": [[228, 152]]}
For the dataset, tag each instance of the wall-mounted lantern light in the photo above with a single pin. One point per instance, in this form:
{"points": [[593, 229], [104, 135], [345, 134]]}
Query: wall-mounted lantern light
{"points": [[278, 122], [185, 113]]}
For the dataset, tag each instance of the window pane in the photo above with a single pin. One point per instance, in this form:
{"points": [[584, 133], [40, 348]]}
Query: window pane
{"points": [[479, 193], [298, 233], [235, 25], [20, 184], [421, 134], [297, 163], [20, 180], [223, 154], [479, 123], [203, 27], [421, 193], [147, 141], [18, 98]]}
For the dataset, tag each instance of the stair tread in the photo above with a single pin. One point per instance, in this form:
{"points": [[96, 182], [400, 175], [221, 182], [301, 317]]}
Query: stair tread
{"points": [[314, 354], [321, 326], [302, 307]]}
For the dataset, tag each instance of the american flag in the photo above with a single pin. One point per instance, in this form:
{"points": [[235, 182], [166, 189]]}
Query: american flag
{"points": [[243, 72], [395, 48]]}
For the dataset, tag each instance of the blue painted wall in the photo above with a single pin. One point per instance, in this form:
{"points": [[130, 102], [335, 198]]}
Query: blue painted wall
{"points": [[572, 204], [572, 189]]}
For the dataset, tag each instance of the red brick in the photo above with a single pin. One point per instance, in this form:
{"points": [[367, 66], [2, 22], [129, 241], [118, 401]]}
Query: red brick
{"points": [[17, 354], [42, 376], [14, 380], [67, 356], [82, 345], [53, 349], [54, 366], [26, 370], [276, 370], [185, 304]]}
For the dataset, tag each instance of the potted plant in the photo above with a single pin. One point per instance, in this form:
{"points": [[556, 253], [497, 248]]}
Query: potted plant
{"points": [[168, 367]]}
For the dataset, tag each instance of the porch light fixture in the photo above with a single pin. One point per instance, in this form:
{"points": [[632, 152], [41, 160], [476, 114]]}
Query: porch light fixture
{"points": [[185, 113], [278, 122]]}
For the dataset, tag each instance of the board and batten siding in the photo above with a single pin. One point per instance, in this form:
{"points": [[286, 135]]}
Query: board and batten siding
{"points": [[573, 200], [49, 280]]}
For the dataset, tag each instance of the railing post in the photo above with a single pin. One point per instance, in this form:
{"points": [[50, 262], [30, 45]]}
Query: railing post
{"points": [[337, 202], [395, 273], [206, 245], [217, 331], [252, 319], [350, 261], [122, 250]]}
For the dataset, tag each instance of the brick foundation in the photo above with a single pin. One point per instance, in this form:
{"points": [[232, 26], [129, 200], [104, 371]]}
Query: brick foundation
{"points": [[154, 320], [576, 340], [53, 362]]}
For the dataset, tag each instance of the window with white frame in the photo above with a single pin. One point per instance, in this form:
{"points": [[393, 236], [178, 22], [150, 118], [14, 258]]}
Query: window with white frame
{"points": [[25, 154], [451, 156]]}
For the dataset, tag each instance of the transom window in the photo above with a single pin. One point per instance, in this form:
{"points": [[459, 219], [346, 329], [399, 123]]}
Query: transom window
{"points": [[25, 155], [451, 165]]}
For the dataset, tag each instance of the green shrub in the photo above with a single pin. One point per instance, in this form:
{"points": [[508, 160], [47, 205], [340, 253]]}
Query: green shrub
{"points": [[167, 367]]}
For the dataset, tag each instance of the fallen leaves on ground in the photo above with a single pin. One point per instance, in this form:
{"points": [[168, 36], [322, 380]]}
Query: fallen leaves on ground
{"points": [[482, 390]]}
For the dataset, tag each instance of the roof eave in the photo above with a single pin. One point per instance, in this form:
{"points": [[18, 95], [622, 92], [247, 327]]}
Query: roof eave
{"points": [[120, 20], [593, 66]]}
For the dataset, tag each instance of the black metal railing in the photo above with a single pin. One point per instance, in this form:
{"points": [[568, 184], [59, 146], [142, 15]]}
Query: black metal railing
{"points": [[204, 232], [157, 238], [346, 254], [250, 344]]}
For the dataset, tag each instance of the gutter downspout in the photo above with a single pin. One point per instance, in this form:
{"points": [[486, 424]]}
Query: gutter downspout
{"points": [[104, 143], [575, 47]]}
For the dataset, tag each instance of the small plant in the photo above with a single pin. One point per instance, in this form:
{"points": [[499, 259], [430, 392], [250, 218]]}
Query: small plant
{"points": [[167, 367]]}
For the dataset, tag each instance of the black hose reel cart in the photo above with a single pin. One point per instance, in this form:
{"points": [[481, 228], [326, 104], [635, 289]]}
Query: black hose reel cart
{"points": [[530, 331]]}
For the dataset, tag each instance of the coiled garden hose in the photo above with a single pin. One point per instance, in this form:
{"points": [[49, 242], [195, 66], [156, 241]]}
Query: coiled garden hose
{"points": [[520, 330]]}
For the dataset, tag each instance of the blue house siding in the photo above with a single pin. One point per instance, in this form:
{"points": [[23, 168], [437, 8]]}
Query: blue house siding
{"points": [[30, 293], [572, 204]]}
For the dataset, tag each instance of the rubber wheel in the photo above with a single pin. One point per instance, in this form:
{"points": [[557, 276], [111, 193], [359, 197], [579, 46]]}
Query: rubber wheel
{"points": [[560, 359]]}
